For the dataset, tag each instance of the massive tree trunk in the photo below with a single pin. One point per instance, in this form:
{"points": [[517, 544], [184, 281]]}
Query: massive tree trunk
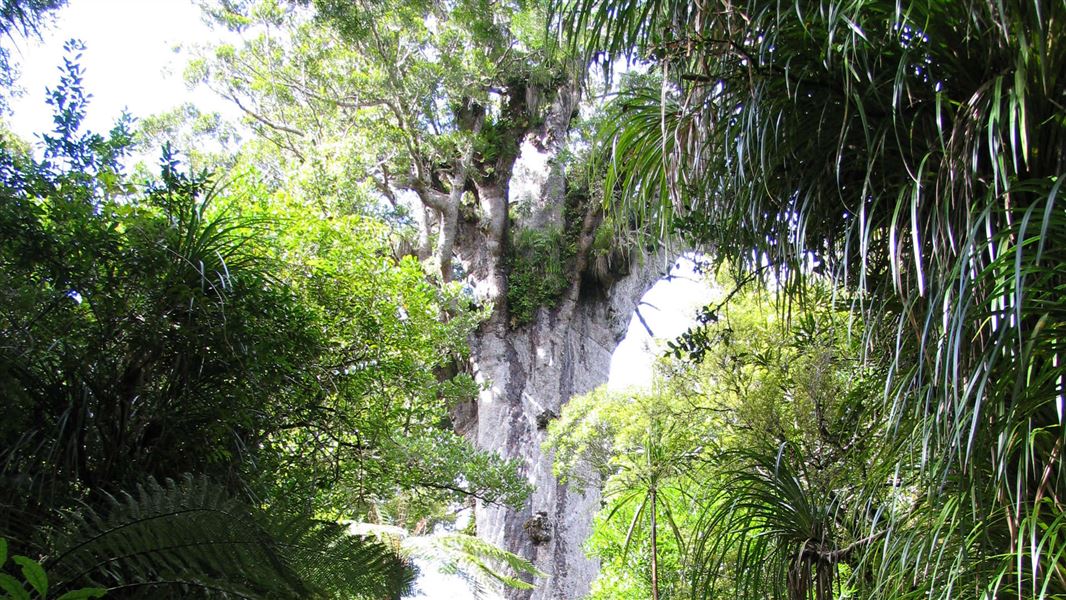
{"points": [[529, 371]]}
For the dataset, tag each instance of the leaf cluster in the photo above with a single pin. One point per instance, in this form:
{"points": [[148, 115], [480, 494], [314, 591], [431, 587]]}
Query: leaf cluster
{"points": [[914, 153], [186, 326], [774, 425], [538, 275]]}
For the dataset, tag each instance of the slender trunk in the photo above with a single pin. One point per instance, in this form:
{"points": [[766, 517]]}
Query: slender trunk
{"points": [[654, 548], [824, 570]]}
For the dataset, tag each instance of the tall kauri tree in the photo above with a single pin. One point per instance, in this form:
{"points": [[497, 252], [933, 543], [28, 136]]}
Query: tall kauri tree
{"points": [[425, 109]]}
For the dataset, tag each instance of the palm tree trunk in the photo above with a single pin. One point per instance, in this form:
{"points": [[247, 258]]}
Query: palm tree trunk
{"points": [[824, 572]]}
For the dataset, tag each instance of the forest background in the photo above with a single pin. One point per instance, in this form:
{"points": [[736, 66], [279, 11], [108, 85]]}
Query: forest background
{"points": [[210, 368]]}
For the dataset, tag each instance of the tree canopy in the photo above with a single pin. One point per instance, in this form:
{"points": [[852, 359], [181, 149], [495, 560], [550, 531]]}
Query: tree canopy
{"points": [[226, 329]]}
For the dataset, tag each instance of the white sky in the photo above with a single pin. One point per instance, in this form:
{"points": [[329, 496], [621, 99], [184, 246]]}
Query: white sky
{"points": [[669, 309], [130, 63]]}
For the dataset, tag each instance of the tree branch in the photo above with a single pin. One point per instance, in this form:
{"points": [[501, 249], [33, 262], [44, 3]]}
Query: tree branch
{"points": [[262, 119]]}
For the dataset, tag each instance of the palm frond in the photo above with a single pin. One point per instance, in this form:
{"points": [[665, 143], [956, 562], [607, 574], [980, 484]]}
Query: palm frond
{"points": [[768, 531]]}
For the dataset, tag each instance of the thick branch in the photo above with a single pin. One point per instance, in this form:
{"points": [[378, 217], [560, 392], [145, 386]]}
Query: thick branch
{"points": [[447, 204], [435, 199], [424, 220], [643, 321], [814, 553], [465, 492], [449, 214]]}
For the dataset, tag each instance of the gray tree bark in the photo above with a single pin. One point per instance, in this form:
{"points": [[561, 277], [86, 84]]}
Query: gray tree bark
{"points": [[528, 373]]}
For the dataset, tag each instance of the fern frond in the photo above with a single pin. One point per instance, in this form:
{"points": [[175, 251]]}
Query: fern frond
{"points": [[468, 553], [191, 539]]}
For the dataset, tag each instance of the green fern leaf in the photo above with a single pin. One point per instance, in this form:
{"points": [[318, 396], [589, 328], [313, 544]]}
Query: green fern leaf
{"points": [[190, 538]]}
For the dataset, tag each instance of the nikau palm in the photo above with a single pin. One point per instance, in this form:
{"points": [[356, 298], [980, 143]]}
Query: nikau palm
{"points": [[914, 152]]}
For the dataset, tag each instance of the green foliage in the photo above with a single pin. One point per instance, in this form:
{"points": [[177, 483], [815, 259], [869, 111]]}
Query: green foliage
{"points": [[644, 450], [704, 452], [641, 451], [538, 276], [778, 526], [206, 138], [486, 568], [480, 563], [418, 105], [224, 330], [625, 554], [190, 538], [34, 575], [381, 87], [914, 152], [787, 510]]}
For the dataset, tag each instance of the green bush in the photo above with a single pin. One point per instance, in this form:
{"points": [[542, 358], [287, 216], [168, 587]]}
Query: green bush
{"points": [[538, 276]]}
